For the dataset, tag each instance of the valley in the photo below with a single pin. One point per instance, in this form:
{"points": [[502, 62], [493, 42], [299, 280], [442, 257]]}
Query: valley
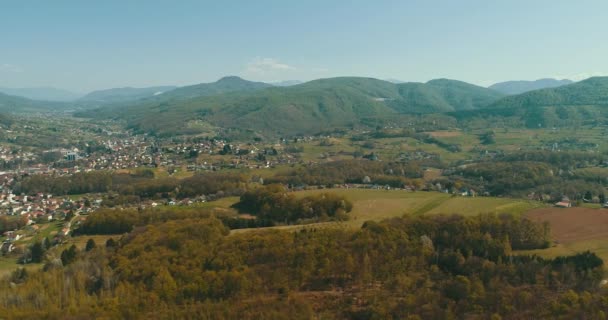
{"points": [[84, 187]]}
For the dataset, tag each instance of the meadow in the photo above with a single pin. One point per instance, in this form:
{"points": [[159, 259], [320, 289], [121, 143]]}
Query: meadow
{"points": [[371, 204]]}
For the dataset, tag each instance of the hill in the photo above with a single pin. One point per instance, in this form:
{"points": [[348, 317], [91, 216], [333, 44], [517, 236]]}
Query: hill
{"points": [[522, 86], [592, 91], [223, 85], [42, 93], [571, 105], [302, 109], [127, 94], [15, 104]]}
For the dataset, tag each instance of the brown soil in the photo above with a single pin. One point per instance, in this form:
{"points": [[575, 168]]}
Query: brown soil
{"points": [[573, 224], [444, 134]]}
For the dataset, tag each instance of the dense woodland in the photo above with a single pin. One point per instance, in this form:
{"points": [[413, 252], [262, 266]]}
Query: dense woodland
{"points": [[548, 174], [412, 267], [395, 174], [275, 204], [131, 188]]}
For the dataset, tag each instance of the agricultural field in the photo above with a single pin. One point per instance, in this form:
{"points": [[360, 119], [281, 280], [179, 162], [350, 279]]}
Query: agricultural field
{"points": [[384, 204], [574, 230]]}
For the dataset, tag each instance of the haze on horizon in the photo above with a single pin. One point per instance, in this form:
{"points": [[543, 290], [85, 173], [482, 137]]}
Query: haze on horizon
{"points": [[87, 46]]}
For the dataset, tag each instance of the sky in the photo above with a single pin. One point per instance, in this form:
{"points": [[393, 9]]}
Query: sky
{"points": [[88, 45]]}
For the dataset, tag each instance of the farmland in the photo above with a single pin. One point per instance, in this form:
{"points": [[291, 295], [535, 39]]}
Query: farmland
{"points": [[385, 204], [574, 230]]}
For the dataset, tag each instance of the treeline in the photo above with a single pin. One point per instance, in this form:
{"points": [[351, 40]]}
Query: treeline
{"points": [[561, 160], [522, 178], [274, 203], [113, 221], [394, 174], [131, 188], [500, 178], [78, 183], [410, 133], [10, 223], [434, 267]]}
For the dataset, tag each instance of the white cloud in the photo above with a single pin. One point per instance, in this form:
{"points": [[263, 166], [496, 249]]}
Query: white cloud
{"points": [[7, 67], [263, 66]]}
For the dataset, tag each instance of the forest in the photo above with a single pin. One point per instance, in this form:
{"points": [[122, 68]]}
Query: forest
{"points": [[133, 187], [275, 204], [425, 267]]}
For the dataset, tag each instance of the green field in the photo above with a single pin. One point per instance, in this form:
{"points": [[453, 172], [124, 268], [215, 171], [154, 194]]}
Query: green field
{"points": [[384, 204], [9, 264]]}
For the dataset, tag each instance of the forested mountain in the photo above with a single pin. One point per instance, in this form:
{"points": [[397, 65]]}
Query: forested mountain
{"points": [[306, 108], [593, 91], [41, 93], [223, 85], [518, 87]]}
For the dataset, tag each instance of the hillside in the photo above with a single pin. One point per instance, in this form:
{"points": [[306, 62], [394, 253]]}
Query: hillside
{"points": [[593, 91], [522, 86], [14, 104], [223, 85], [306, 108]]}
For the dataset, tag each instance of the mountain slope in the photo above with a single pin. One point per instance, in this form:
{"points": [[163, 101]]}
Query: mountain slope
{"points": [[14, 104], [519, 87], [593, 91], [443, 95], [306, 108], [223, 85], [42, 93]]}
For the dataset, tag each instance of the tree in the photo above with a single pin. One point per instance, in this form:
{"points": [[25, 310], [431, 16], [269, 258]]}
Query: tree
{"points": [[90, 245], [110, 243], [37, 252], [68, 255]]}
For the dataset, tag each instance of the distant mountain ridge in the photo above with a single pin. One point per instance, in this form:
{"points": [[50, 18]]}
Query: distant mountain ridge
{"points": [[522, 86], [592, 91], [125, 94], [42, 93], [16, 104], [305, 108], [223, 85], [286, 83]]}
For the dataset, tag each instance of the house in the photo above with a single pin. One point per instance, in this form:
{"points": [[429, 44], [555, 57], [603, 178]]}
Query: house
{"points": [[563, 204], [7, 247], [12, 236]]}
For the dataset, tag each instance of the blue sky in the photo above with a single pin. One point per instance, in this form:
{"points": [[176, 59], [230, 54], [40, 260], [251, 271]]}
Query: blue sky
{"points": [[86, 45]]}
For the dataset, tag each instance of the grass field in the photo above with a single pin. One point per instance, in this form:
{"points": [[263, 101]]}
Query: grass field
{"points": [[383, 204], [9, 264]]}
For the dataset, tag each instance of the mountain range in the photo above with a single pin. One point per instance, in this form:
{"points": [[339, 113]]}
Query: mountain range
{"points": [[125, 94], [16, 104], [305, 108], [319, 105], [592, 91], [42, 93], [522, 86]]}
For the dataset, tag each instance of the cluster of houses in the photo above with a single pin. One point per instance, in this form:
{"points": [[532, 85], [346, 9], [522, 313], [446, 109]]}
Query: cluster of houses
{"points": [[40, 208]]}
